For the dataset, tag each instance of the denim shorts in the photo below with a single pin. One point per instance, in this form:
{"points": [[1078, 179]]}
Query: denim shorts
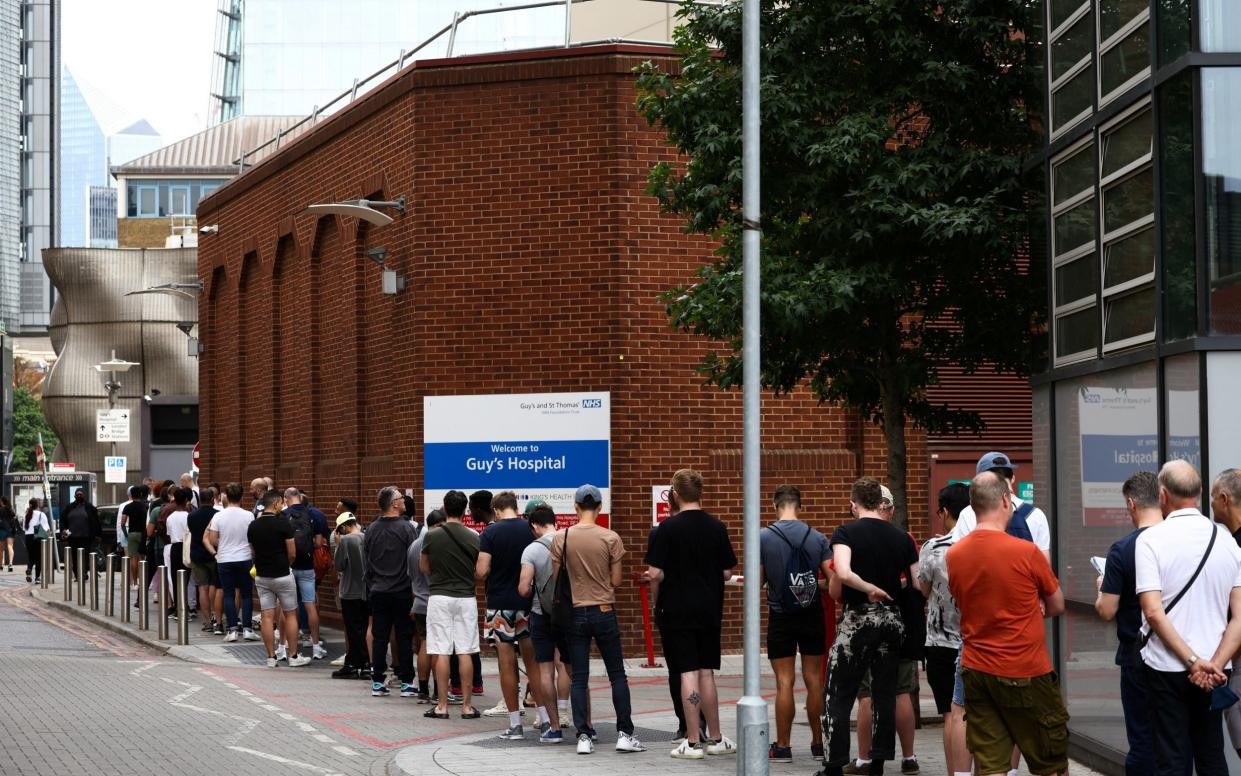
{"points": [[958, 687], [305, 585]]}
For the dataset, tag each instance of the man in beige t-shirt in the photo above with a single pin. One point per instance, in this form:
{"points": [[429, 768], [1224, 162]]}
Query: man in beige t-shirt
{"points": [[592, 555]]}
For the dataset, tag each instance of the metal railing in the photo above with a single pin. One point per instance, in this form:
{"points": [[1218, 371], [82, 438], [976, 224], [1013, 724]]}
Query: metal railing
{"points": [[398, 64]]}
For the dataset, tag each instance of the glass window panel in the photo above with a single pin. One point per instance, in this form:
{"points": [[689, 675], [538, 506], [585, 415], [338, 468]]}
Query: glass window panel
{"points": [[148, 199], [1077, 332], [1221, 25], [1071, 47], [179, 200], [1173, 28], [1063, 9], [1072, 98], [1127, 143], [1127, 59], [1128, 200], [1176, 201], [1074, 175], [1077, 279], [1129, 258], [1114, 14], [1221, 162], [1130, 315], [1182, 438], [1075, 228]]}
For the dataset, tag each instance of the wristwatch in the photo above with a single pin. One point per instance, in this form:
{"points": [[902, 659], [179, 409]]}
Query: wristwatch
{"points": [[1190, 662]]}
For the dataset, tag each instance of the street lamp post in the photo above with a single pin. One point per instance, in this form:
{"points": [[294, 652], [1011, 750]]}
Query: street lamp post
{"points": [[112, 367]]}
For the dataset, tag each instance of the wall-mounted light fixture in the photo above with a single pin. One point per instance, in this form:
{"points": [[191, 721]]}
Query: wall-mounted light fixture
{"points": [[361, 208], [391, 282], [209, 229], [173, 289]]}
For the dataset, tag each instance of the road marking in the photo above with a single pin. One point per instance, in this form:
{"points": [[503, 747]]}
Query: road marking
{"points": [[286, 761], [346, 751], [305, 727], [323, 739], [287, 715], [270, 707]]}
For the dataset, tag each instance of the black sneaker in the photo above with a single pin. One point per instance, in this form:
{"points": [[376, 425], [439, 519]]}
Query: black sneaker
{"points": [[217, 629], [345, 672], [910, 766], [780, 754]]}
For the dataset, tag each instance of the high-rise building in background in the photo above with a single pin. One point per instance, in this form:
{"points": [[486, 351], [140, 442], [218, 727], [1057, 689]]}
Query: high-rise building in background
{"points": [[94, 135], [287, 57], [40, 166], [10, 167]]}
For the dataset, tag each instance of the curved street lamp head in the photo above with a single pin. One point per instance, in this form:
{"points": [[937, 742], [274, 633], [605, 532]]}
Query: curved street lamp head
{"points": [[169, 291], [115, 364], [353, 209]]}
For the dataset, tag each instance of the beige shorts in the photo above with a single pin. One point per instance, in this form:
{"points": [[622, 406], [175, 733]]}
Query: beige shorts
{"points": [[452, 625]]}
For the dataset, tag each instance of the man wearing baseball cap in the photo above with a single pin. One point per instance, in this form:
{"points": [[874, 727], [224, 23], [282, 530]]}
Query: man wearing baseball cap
{"points": [[1028, 521]]}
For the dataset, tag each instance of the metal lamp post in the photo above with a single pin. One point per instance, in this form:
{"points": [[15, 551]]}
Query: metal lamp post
{"points": [[112, 367]]}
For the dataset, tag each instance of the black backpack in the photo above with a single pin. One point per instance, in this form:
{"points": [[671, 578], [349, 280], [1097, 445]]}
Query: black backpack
{"points": [[562, 593], [801, 574], [303, 534]]}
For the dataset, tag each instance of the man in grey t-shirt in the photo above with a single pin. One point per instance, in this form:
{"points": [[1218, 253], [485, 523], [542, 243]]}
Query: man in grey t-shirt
{"points": [[536, 579]]}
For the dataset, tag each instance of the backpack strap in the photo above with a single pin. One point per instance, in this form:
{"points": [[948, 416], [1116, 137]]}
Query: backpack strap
{"points": [[1210, 545], [779, 533]]}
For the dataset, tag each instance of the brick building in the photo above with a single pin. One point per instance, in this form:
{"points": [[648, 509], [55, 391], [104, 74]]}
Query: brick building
{"points": [[534, 262]]}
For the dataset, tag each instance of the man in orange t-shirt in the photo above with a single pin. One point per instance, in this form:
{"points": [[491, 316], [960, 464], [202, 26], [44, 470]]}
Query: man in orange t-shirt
{"points": [[1004, 588]]}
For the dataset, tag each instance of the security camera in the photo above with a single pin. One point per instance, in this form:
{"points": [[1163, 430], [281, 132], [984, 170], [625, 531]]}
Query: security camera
{"points": [[210, 229], [148, 397], [378, 255], [186, 327]]}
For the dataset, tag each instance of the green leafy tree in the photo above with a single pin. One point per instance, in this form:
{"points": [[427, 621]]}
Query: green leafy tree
{"points": [[28, 423], [893, 205]]}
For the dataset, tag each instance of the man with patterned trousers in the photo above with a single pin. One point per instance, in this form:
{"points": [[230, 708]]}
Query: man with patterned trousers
{"points": [[508, 611], [869, 555]]}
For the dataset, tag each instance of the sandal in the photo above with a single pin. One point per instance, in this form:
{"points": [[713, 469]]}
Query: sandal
{"points": [[475, 714], [433, 714]]}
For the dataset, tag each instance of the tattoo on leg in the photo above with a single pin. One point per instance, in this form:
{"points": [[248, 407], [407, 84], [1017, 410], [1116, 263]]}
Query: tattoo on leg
{"points": [[693, 697]]}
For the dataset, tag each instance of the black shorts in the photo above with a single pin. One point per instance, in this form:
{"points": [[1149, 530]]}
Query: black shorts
{"points": [[691, 649], [801, 631], [546, 642], [941, 674]]}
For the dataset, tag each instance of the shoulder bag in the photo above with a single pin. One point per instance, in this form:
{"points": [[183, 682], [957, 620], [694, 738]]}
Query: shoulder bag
{"points": [[1146, 636]]}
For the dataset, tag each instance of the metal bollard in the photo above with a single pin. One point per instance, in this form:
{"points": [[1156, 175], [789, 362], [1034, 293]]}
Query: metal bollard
{"points": [[144, 603], [127, 600], [45, 563], [68, 580], [161, 603], [93, 581], [109, 596], [81, 571], [183, 610]]}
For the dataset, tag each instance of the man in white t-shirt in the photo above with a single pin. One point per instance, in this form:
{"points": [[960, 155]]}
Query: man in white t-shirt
{"points": [[1028, 521], [1191, 637], [178, 531], [228, 539]]}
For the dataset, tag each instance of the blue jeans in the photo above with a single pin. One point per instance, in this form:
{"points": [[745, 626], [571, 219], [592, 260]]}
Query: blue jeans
{"points": [[305, 595], [236, 576], [1140, 761], [591, 623]]}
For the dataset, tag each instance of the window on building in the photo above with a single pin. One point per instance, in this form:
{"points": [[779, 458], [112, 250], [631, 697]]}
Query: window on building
{"points": [[155, 198], [1220, 25], [1221, 181], [1126, 180], [1124, 45], [1071, 44], [174, 424], [1074, 262], [1176, 205]]}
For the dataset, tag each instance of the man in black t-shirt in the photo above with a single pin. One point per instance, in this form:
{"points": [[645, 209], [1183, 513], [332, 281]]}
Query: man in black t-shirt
{"points": [[205, 571], [870, 555], [689, 559], [271, 543], [134, 527]]}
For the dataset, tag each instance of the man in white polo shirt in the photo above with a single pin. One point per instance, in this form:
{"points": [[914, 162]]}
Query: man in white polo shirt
{"points": [[1028, 521], [1188, 574]]}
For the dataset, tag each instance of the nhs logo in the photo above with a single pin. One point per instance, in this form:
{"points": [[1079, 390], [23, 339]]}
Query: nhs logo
{"points": [[592, 404]]}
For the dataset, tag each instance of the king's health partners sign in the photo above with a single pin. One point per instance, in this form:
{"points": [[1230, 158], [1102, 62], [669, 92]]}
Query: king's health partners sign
{"points": [[540, 446]]}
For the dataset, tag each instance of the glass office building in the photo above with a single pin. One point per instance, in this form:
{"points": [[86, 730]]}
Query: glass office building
{"points": [[285, 57], [1142, 173]]}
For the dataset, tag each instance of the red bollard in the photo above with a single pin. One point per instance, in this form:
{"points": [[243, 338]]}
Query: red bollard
{"points": [[646, 627]]}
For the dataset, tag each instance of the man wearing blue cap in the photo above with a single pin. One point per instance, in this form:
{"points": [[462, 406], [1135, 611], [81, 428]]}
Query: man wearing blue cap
{"points": [[1028, 521]]}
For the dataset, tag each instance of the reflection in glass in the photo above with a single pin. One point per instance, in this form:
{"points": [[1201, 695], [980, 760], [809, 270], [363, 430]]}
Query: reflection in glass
{"points": [[1221, 162], [1129, 200], [1174, 29], [1074, 175], [1131, 315], [1127, 143], [1182, 438], [1129, 258], [1128, 59], [1071, 47], [1114, 14], [1063, 9], [1176, 203], [1077, 332], [1075, 228], [1073, 98], [1221, 25], [1077, 279]]}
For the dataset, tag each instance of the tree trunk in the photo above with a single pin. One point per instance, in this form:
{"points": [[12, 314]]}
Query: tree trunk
{"points": [[894, 436]]}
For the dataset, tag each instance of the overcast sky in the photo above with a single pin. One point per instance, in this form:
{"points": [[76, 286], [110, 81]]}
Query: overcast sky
{"points": [[150, 58]]}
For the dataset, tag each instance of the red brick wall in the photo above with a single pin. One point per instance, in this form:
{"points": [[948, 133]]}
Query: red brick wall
{"points": [[533, 261]]}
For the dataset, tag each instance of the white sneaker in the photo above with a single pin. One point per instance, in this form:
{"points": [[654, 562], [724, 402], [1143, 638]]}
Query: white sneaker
{"points": [[723, 746], [299, 660], [585, 745], [282, 652], [627, 743], [340, 661], [230, 637], [688, 751], [318, 652], [272, 662], [250, 635], [498, 710]]}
